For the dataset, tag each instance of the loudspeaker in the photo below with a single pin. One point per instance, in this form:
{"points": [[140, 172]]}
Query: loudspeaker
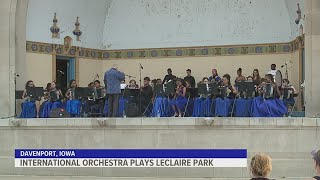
{"points": [[132, 110], [58, 113]]}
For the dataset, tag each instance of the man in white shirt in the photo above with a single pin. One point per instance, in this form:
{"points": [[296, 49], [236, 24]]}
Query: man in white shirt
{"points": [[273, 70]]}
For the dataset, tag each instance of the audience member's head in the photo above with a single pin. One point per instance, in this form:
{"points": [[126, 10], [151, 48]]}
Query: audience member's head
{"points": [[260, 166], [256, 74], [169, 71], [273, 66], [316, 160], [159, 81]]}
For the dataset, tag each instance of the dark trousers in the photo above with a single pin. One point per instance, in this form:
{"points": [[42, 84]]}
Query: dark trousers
{"points": [[113, 105]]}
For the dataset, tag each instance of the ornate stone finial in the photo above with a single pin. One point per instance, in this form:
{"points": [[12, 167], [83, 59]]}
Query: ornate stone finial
{"points": [[77, 31], [299, 14], [55, 29]]}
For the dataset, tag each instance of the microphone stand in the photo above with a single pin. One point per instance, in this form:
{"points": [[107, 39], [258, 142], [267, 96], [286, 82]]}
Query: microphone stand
{"points": [[140, 91], [286, 71]]}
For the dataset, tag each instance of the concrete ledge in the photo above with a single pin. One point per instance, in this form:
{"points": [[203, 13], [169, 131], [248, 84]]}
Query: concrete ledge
{"points": [[164, 123]]}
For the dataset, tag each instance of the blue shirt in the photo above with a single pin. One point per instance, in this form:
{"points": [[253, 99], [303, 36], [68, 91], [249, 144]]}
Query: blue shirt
{"points": [[112, 80], [217, 78]]}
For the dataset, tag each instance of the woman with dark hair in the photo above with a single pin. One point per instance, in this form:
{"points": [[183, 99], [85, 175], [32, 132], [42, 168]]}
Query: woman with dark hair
{"points": [[179, 101], [269, 104], [239, 77], [224, 102], [31, 105], [55, 96], [256, 77], [73, 104]]}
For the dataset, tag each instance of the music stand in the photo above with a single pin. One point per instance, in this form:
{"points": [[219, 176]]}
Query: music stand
{"points": [[35, 93], [169, 89]]}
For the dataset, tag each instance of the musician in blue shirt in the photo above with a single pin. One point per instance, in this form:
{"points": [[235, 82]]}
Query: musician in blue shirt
{"points": [[31, 106], [112, 80], [215, 77]]}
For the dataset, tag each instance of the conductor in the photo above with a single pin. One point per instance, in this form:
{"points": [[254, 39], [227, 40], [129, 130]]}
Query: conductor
{"points": [[112, 80]]}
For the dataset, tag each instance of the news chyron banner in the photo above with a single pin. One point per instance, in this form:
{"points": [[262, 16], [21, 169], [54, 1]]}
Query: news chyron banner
{"points": [[130, 158]]}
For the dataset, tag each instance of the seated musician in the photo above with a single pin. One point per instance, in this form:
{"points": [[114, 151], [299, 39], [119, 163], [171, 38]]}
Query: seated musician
{"points": [[31, 105], [153, 83], [146, 94], [133, 84], [239, 77], [98, 102], [73, 104], [227, 93], [288, 92], [269, 104], [160, 102], [243, 102], [203, 103], [256, 77], [55, 96], [215, 77], [179, 101]]}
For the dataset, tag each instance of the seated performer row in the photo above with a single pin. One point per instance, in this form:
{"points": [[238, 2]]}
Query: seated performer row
{"points": [[182, 101]]}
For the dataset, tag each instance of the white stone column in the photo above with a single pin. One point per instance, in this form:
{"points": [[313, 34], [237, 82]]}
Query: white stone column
{"points": [[312, 57], [7, 57], [21, 23]]}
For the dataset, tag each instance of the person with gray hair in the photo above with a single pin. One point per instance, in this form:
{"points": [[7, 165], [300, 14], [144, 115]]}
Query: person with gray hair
{"points": [[112, 80], [316, 160]]}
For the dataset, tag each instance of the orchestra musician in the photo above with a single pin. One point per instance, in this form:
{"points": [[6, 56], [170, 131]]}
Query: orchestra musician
{"points": [[169, 76], [288, 92], [55, 97], [180, 100], [239, 77], [146, 94], [190, 79], [31, 105], [227, 93], [73, 104], [133, 84], [202, 104], [269, 104], [256, 77], [215, 77]]}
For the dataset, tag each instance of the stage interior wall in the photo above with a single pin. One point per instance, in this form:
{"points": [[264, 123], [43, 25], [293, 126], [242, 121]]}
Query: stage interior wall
{"points": [[39, 66]]}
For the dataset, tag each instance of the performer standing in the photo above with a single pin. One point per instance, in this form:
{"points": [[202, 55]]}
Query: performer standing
{"points": [[146, 94], [169, 76], [273, 70], [190, 78], [112, 79]]}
